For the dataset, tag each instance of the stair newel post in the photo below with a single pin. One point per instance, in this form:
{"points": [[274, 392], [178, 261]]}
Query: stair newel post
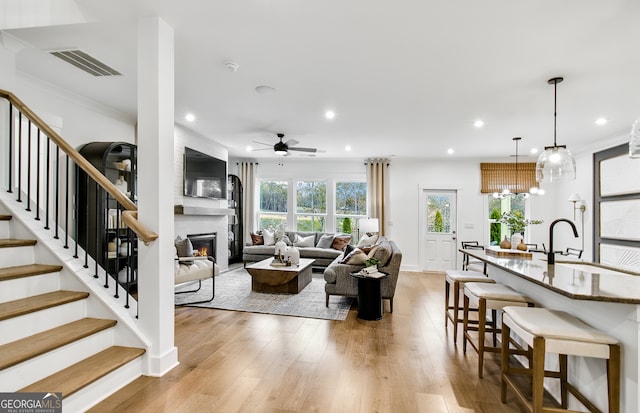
{"points": [[10, 152], [66, 203], [19, 177], [57, 200], [38, 175], [47, 185], [29, 167]]}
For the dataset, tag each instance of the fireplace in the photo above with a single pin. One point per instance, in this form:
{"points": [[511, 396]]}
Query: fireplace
{"points": [[204, 244]]}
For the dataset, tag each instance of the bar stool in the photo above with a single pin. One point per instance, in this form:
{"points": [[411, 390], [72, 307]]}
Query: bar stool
{"points": [[458, 279], [492, 297], [561, 333]]}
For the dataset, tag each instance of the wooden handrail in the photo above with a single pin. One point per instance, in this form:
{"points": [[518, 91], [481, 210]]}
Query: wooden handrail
{"points": [[130, 215]]}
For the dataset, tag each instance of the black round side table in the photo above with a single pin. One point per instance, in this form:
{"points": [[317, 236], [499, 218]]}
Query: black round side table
{"points": [[369, 296]]}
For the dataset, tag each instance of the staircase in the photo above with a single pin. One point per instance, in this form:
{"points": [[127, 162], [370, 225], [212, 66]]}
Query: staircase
{"points": [[56, 336]]}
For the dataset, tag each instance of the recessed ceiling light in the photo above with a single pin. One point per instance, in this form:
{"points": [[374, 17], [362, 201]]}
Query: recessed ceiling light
{"points": [[231, 66], [601, 121], [329, 114], [534, 150], [478, 123], [347, 148], [450, 151], [190, 117], [265, 90]]}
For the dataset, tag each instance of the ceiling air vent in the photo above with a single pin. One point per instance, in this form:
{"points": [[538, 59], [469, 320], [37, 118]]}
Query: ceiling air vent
{"points": [[83, 61]]}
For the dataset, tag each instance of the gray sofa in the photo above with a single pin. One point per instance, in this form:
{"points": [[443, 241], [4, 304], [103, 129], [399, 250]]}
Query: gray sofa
{"points": [[340, 282], [322, 256]]}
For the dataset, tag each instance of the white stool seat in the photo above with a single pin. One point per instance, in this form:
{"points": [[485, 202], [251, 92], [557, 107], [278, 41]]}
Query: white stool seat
{"points": [[458, 278], [563, 333], [496, 295], [466, 276]]}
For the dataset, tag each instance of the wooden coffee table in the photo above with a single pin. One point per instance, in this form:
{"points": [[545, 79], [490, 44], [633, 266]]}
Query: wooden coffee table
{"points": [[270, 279]]}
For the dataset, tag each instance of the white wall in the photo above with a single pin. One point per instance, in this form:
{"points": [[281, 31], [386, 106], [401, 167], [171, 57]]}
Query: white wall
{"points": [[199, 224]]}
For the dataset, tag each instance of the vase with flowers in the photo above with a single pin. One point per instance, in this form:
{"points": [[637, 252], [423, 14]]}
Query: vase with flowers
{"points": [[516, 222]]}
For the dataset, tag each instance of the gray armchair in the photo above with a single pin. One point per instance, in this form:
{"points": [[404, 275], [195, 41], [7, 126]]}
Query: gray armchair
{"points": [[340, 282]]}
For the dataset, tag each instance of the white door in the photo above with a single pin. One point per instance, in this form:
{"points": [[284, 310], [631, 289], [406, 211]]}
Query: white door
{"points": [[438, 229]]}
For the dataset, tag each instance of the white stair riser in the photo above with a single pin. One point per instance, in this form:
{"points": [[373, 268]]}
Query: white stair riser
{"points": [[23, 374], [5, 229], [103, 388], [14, 256], [20, 327], [18, 288]]}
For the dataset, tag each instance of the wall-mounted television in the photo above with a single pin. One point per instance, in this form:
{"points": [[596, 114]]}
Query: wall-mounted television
{"points": [[204, 175]]}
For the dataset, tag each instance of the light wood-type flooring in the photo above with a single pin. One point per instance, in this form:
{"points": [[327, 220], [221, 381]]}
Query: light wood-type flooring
{"points": [[244, 362]]}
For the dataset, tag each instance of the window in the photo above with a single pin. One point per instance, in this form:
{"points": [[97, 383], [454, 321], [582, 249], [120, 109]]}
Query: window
{"points": [[274, 197], [311, 206], [497, 206], [439, 213], [351, 205]]}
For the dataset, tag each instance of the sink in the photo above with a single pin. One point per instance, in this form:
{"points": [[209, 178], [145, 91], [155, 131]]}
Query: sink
{"points": [[594, 268]]}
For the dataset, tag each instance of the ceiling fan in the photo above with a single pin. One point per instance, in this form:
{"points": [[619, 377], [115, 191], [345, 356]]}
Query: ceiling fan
{"points": [[282, 148]]}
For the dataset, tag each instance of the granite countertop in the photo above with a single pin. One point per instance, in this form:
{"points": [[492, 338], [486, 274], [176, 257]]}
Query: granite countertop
{"points": [[572, 278]]}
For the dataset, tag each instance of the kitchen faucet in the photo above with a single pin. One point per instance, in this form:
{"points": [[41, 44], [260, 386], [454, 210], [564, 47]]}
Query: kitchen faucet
{"points": [[551, 258]]}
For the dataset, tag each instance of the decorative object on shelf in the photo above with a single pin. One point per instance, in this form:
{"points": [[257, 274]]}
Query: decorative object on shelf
{"points": [[505, 244], [124, 249], [126, 275], [121, 184], [634, 140], [521, 246], [127, 164], [556, 162]]}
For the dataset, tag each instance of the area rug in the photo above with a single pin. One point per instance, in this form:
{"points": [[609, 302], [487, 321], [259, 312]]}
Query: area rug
{"points": [[233, 292]]}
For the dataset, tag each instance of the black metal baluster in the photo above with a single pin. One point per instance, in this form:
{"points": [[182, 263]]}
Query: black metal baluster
{"points": [[97, 219], [10, 174], [66, 204], [38, 177], [29, 167], [76, 208], [47, 189], [86, 222], [57, 193], [19, 148]]}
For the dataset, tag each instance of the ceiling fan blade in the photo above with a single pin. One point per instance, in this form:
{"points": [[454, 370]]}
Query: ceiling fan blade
{"points": [[262, 143], [304, 149], [262, 149], [291, 142]]}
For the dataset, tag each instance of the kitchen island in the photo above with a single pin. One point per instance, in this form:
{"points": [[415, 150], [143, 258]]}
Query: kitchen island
{"points": [[605, 298]]}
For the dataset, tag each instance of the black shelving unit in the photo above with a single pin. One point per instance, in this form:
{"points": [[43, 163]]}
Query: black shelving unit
{"points": [[99, 217], [234, 198]]}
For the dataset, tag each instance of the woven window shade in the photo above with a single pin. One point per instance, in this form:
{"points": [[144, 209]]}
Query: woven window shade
{"points": [[499, 176]]}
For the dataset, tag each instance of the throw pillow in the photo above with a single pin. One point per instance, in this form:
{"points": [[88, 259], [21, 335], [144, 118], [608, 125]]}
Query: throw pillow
{"points": [[367, 241], [347, 250], [185, 249], [257, 239], [340, 242], [304, 241], [357, 257], [383, 253], [369, 250], [269, 237], [325, 241], [347, 255]]}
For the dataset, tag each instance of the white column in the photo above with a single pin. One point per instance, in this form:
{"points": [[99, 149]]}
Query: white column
{"points": [[155, 195]]}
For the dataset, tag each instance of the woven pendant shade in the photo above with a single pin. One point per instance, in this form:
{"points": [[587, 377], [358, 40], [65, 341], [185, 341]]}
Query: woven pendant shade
{"points": [[499, 176]]}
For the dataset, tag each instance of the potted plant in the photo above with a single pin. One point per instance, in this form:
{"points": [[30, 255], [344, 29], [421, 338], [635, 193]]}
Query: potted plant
{"points": [[371, 265], [516, 223]]}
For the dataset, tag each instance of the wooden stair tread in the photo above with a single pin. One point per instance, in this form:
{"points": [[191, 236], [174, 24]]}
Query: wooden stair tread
{"points": [[4, 217], [26, 348], [35, 303], [85, 372], [20, 271], [9, 243]]}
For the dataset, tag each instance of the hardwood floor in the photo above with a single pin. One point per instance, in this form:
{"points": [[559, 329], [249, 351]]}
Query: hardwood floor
{"points": [[244, 362]]}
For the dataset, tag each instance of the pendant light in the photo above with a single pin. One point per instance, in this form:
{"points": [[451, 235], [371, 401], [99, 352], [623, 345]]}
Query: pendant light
{"points": [[556, 162], [516, 187]]}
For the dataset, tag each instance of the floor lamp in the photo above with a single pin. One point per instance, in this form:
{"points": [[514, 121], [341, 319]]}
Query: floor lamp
{"points": [[578, 204]]}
